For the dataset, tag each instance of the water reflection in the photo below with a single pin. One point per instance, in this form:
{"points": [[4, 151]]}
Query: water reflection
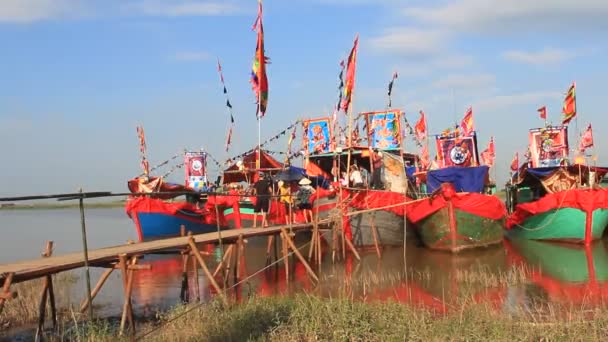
{"points": [[520, 273], [568, 274]]}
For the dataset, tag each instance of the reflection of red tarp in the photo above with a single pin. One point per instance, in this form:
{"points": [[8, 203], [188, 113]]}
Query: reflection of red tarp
{"points": [[155, 184], [250, 173], [487, 206], [583, 199]]}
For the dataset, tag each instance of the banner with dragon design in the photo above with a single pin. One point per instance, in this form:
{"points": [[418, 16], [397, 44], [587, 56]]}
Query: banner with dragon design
{"points": [[383, 129], [548, 146], [317, 135]]}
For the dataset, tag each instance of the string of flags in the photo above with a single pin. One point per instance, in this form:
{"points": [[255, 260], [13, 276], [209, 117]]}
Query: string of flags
{"points": [[159, 165], [228, 105], [266, 142]]}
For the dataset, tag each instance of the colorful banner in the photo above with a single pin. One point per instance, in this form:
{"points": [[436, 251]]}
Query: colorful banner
{"points": [[195, 165], [317, 135], [548, 146], [457, 151], [383, 129]]}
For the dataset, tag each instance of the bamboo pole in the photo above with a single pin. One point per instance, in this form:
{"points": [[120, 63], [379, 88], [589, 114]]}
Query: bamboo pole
{"points": [[5, 290], [184, 294], [298, 254], [102, 279], [206, 270], [220, 266], [375, 234], [353, 249], [85, 250], [285, 253], [46, 293], [127, 310], [197, 289]]}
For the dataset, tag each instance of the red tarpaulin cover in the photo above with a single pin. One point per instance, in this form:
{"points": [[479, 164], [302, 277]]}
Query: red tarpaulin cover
{"points": [[586, 200], [487, 206], [155, 184], [249, 173], [153, 205]]}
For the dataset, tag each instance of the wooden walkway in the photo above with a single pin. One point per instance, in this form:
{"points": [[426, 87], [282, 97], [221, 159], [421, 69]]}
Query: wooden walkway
{"points": [[30, 269]]}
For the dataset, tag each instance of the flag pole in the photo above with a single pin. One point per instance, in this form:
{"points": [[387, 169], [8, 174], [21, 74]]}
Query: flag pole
{"points": [[258, 162]]}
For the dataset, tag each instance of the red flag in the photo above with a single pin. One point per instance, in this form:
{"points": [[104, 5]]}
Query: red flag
{"points": [[515, 162], [142, 149], [569, 109], [259, 80], [489, 154], [466, 125], [228, 138], [420, 127], [543, 112], [350, 76], [424, 157], [587, 139]]}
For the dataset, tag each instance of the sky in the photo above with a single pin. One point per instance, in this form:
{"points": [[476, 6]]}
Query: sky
{"points": [[78, 76]]}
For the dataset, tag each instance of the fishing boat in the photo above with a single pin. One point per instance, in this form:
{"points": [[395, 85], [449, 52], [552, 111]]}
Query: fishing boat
{"points": [[554, 200], [156, 214], [372, 214], [459, 212]]}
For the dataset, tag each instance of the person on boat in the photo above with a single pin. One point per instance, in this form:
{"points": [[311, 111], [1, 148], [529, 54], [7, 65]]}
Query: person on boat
{"points": [[344, 179], [285, 197], [377, 170], [302, 199], [364, 176], [355, 178], [262, 192]]}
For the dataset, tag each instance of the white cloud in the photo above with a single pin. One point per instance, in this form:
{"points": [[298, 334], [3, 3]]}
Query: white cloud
{"points": [[481, 15], [500, 102], [179, 8], [460, 81], [409, 41], [547, 56], [25, 11], [191, 56]]}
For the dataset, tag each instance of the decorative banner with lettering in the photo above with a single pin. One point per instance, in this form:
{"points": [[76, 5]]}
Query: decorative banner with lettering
{"points": [[317, 137], [548, 146], [196, 176], [457, 151], [383, 129]]}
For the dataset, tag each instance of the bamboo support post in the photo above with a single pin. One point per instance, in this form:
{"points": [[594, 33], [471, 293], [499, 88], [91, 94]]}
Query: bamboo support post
{"points": [[5, 290], [352, 249], [85, 250], [285, 253], [269, 245], [313, 244], [198, 257], [102, 279], [184, 294], [127, 281], [47, 292], [220, 266], [298, 254], [334, 243], [240, 256], [375, 234], [195, 282]]}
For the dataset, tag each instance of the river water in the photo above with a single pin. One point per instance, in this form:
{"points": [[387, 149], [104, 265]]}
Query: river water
{"points": [[507, 275]]}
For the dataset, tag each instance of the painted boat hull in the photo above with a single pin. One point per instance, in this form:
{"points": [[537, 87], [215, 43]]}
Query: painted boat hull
{"points": [[154, 226], [388, 226], [156, 219], [451, 229], [563, 224]]}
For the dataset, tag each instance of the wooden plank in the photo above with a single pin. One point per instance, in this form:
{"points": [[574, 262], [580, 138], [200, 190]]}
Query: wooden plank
{"points": [[30, 269]]}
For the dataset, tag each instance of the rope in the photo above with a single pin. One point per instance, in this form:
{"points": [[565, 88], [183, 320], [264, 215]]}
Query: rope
{"points": [[552, 217]]}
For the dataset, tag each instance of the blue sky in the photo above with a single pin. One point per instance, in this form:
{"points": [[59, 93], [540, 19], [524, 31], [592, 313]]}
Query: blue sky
{"points": [[77, 76]]}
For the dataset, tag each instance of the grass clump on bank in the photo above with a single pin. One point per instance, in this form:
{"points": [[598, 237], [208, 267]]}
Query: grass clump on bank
{"points": [[311, 318]]}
